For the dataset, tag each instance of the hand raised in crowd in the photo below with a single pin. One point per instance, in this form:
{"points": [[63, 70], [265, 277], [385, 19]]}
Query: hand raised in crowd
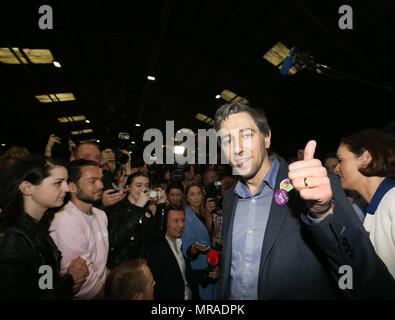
{"points": [[79, 271], [163, 198], [210, 205], [143, 198], [110, 198], [51, 142], [196, 247], [71, 144], [311, 180]]}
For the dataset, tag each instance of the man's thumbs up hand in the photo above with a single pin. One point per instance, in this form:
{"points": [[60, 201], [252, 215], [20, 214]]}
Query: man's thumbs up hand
{"points": [[310, 178]]}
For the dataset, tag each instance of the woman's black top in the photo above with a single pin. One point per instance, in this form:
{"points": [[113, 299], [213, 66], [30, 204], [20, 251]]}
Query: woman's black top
{"points": [[131, 229], [24, 248]]}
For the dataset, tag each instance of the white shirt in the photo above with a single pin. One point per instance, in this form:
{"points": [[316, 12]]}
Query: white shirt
{"points": [[78, 234], [381, 228], [181, 263]]}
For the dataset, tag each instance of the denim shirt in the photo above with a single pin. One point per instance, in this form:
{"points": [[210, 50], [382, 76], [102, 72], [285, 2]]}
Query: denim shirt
{"points": [[251, 216]]}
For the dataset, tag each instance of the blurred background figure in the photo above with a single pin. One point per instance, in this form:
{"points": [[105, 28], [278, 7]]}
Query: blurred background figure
{"points": [[330, 162], [175, 194], [10, 156], [131, 280]]}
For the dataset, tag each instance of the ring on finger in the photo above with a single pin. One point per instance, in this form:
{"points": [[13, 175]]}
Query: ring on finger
{"points": [[305, 182]]}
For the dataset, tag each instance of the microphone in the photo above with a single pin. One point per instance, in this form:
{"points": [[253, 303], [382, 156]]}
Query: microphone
{"points": [[212, 259], [287, 63]]}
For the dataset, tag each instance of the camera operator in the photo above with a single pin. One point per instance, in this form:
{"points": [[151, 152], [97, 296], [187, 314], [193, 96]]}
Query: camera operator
{"points": [[116, 170], [210, 176], [213, 209]]}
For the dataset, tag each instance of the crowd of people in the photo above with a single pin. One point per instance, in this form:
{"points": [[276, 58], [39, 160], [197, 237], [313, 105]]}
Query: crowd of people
{"points": [[107, 229]]}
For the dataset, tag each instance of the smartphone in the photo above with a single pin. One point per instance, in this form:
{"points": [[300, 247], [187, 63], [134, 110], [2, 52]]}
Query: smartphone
{"points": [[203, 244]]}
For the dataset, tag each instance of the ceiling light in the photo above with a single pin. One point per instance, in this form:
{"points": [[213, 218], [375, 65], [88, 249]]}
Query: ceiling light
{"points": [[87, 121], [71, 119], [81, 131], [137, 124], [152, 78], [217, 96], [39, 56], [55, 97], [179, 149], [56, 64], [133, 142], [3, 144], [277, 54], [97, 140], [230, 96]]}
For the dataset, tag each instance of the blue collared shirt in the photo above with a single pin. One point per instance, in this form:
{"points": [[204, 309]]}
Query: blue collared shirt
{"points": [[251, 216]]}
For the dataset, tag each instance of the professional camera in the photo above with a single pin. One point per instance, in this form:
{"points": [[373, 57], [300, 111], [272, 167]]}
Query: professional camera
{"points": [[121, 157], [214, 190], [177, 171]]}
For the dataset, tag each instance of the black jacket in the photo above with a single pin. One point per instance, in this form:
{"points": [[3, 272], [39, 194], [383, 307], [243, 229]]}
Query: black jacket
{"points": [[131, 229], [300, 260], [23, 249], [167, 274]]}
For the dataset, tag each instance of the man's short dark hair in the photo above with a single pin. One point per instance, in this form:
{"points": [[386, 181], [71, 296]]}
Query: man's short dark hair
{"points": [[330, 155], [126, 280], [76, 149], [74, 169], [236, 107], [172, 207], [175, 185]]}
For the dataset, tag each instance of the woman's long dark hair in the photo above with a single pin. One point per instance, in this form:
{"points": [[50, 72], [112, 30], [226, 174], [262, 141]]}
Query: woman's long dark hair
{"points": [[201, 208], [34, 169]]}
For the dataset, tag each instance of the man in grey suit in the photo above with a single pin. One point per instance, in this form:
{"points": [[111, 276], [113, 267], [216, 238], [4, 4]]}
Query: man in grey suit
{"points": [[289, 231]]}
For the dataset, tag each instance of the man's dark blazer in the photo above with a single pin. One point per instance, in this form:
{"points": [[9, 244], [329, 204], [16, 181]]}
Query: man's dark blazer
{"points": [[300, 260], [167, 273]]}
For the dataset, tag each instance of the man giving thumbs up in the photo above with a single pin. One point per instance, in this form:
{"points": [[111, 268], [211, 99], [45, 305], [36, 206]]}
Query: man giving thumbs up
{"points": [[289, 232], [310, 178]]}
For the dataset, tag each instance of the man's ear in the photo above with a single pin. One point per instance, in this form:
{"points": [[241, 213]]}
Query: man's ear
{"points": [[365, 159], [72, 187], [267, 139], [26, 188], [138, 296]]}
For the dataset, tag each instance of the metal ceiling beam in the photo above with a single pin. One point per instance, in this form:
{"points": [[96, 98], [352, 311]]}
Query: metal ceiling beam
{"points": [[353, 52]]}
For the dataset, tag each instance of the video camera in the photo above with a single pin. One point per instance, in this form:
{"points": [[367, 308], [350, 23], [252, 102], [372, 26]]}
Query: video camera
{"points": [[177, 171], [214, 190], [121, 157]]}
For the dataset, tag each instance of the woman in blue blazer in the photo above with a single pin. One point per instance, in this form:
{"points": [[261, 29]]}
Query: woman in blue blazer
{"points": [[195, 238]]}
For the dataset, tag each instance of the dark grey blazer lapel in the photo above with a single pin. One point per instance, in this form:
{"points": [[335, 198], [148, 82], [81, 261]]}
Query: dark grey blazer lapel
{"points": [[229, 209], [172, 260], [276, 219]]}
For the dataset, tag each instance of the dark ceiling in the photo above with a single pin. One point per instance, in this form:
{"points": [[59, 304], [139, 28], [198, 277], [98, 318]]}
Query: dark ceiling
{"points": [[196, 49]]}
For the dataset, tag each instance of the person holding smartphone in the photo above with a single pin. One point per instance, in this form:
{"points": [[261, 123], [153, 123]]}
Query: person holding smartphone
{"points": [[196, 239]]}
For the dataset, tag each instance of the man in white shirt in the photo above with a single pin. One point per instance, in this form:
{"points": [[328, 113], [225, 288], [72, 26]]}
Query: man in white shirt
{"points": [[174, 277], [80, 229]]}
